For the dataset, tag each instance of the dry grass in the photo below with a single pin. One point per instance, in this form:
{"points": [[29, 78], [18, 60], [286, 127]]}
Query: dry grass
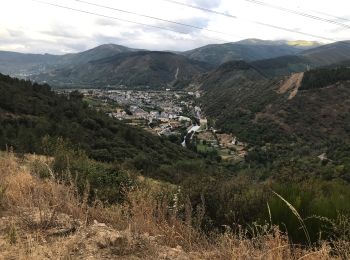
{"points": [[46, 219], [26, 191]]}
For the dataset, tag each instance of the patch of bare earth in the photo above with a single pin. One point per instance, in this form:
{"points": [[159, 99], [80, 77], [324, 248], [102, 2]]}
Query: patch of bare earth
{"points": [[66, 238], [291, 85]]}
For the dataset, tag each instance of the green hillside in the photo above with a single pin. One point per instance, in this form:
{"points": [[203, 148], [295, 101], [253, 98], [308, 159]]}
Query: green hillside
{"points": [[111, 64], [259, 111], [143, 68], [324, 77], [247, 50], [328, 54], [281, 66], [91, 147], [29, 112], [20, 64]]}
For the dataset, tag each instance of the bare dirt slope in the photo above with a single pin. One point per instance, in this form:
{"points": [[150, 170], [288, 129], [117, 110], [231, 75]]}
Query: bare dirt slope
{"points": [[291, 85]]}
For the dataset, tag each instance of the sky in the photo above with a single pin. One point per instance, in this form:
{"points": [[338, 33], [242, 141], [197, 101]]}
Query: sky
{"points": [[35, 27]]}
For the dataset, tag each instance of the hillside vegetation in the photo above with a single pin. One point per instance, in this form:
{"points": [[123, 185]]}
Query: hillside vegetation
{"points": [[282, 66], [324, 77], [19, 63], [248, 104], [105, 160], [331, 55], [116, 65], [31, 114], [44, 218], [328, 54], [247, 50], [143, 68]]}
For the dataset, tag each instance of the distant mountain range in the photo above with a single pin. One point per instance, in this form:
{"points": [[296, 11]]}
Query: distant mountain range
{"points": [[334, 54], [116, 65], [142, 68], [328, 54], [27, 64], [248, 50]]}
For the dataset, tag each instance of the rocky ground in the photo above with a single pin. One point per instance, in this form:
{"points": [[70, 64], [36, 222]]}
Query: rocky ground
{"points": [[35, 236]]}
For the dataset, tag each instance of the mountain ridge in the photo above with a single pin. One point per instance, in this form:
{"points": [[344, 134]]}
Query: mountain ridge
{"points": [[140, 68], [248, 49], [38, 63], [158, 68]]}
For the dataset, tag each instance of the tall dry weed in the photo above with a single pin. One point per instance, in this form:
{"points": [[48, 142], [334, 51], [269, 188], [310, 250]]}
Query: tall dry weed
{"points": [[148, 209]]}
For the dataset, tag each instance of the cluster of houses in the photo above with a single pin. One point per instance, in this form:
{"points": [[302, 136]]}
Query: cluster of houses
{"points": [[166, 122], [161, 113], [227, 144], [135, 112], [147, 98]]}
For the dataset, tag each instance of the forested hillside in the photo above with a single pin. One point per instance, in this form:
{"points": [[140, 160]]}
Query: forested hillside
{"points": [[116, 65], [328, 54], [29, 112], [110, 157], [247, 50], [295, 132], [240, 98], [15, 63], [301, 114], [324, 77], [282, 66], [154, 70], [331, 55]]}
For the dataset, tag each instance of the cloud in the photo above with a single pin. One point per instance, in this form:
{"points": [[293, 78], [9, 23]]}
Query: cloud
{"points": [[29, 45], [63, 31], [15, 33], [23, 42], [56, 30], [195, 23], [75, 46], [99, 39], [341, 19], [205, 3], [338, 30], [105, 22]]}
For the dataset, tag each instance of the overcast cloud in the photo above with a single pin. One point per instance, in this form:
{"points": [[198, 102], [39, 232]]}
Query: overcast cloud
{"points": [[29, 26]]}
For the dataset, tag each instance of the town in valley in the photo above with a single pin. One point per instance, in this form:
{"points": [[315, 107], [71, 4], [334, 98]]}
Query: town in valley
{"points": [[175, 115]]}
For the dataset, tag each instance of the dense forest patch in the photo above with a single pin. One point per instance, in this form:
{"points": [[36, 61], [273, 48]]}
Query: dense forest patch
{"points": [[29, 112], [320, 78]]}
